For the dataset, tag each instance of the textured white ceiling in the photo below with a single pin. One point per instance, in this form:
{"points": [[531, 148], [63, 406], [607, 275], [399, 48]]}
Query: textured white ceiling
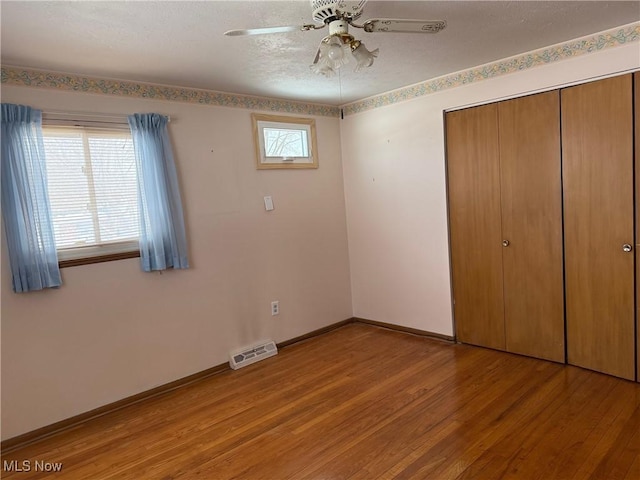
{"points": [[182, 43]]}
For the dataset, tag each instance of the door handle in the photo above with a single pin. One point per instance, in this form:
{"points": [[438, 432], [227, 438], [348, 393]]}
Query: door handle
{"points": [[627, 247], [505, 243]]}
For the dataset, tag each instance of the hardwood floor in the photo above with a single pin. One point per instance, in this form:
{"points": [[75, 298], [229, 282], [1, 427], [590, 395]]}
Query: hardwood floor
{"points": [[363, 402]]}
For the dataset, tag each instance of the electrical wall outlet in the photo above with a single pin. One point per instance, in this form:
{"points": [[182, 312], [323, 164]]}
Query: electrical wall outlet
{"points": [[275, 307]]}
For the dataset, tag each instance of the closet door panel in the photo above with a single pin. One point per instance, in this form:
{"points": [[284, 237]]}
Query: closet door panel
{"points": [[473, 170], [636, 77], [532, 224], [597, 149]]}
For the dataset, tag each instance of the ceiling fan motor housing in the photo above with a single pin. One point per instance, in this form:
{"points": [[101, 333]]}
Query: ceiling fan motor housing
{"points": [[325, 11], [338, 27]]}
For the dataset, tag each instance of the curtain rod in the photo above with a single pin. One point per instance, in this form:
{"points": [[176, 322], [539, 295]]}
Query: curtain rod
{"points": [[88, 116]]}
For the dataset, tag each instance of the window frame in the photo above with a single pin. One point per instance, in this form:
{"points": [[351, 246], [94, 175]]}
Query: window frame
{"points": [[262, 121], [108, 251]]}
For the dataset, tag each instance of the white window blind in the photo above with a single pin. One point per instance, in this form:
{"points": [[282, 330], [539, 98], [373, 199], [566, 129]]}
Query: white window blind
{"points": [[92, 189]]}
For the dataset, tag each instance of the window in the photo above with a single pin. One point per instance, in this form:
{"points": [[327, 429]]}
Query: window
{"points": [[92, 185], [285, 142]]}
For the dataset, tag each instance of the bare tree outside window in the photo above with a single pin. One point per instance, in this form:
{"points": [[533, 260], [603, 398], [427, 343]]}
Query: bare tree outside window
{"points": [[285, 143]]}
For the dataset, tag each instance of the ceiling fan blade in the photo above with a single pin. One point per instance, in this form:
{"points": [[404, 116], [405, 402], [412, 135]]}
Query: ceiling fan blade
{"points": [[396, 25], [265, 30]]}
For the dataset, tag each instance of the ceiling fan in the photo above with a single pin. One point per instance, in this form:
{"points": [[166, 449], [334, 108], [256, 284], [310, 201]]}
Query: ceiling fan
{"points": [[334, 49]]}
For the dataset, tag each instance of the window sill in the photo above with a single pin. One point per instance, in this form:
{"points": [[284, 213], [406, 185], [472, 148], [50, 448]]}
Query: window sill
{"points": [[75, 262]]}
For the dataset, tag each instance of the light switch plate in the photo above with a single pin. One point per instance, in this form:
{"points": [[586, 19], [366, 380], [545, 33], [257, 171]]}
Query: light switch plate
{"points": [[268, 203]]}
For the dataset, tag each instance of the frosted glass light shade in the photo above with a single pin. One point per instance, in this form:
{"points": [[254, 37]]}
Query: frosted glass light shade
{"points": [[336, 52], [364, 57], [322, 67]]}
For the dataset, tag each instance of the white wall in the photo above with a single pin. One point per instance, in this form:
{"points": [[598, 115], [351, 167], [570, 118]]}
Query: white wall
{"points": [[112, 331], [394, 173]]}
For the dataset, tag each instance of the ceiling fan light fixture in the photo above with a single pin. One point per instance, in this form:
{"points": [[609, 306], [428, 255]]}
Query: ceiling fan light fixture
{"points": [[333, 53], [339, 15], [364, 58], [336, 51], [325, 70], [322, 67]]}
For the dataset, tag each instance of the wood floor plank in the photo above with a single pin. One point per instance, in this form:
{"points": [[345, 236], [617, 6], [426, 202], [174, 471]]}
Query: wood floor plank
{"points": [[617, 449], [363, 402], [504, 424], [572, 442], [357, 397], [428, 411], [481, 429], [522, 445]]}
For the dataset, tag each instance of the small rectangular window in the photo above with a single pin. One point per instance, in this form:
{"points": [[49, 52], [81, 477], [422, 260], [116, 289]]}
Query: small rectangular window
{"points": [[284, 142], [92, 181]]}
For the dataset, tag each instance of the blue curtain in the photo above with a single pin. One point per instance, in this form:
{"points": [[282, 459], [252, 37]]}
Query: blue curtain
{"points": [[26, 212], [163, 241]]}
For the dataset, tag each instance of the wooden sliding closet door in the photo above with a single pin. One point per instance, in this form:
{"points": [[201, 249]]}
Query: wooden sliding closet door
{"points": [[532, 225], [636, 77], [473, 169], [597, 150]]}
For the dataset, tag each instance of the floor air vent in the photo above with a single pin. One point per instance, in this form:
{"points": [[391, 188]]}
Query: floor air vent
{"points": [[247, 356]]}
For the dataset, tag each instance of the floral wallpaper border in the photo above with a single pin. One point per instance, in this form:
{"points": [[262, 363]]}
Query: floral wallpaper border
{"points": [[590, 44], [77, 83]]}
